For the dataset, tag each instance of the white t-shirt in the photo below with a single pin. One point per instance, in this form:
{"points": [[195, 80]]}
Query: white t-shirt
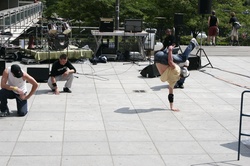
{"points": [[19, 82]]}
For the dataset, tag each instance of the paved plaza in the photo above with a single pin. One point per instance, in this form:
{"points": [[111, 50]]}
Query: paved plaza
{"points": [[116, 117]]}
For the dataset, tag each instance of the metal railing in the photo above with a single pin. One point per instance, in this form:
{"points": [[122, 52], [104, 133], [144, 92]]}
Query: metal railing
{"points": [[242, 114], [14, 18]]}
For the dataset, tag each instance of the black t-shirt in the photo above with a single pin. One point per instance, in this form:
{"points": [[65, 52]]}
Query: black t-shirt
{"points": [[58, 69], [233, 20], [213, 21], [168, 41]]}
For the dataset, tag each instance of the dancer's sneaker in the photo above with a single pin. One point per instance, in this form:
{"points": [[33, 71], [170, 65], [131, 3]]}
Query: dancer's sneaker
{"points": [[67, 90], [194, 41]]}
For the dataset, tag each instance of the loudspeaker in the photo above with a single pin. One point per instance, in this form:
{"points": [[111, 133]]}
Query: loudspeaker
{"points": [[194, 62], [38, 73], [204, 6], [178, 19], [133, 25], [2, 67], [106, 25], [150, 71]]}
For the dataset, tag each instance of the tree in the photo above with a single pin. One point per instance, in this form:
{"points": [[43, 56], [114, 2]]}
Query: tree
{"points": [[90, 12]]}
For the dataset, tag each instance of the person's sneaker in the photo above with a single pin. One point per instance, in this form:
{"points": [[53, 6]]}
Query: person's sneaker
{"points": [[194, 41], [67, 90], [4, 114], [176, 86], [181, 86]]}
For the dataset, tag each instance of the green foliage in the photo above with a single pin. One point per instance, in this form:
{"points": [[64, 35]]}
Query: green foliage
{"points": [[90, 12]]}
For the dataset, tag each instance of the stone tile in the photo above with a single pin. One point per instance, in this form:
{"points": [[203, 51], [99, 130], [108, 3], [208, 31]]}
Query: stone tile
{"points": [[38, 149], [43, 125], [6, 148], [35, 160], [84, 125], [4, 160], [184, 160], [41, 136], [170, 135], [87, 160], [85, 136], [135, 160], [8, 136], [133, 148], [128, 136], [6, 124], [180, 148], [86, 148], [124, 125]]}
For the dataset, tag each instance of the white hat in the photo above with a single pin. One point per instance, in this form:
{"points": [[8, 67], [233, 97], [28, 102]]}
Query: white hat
{"points": [[184, 72], [186, 63]]}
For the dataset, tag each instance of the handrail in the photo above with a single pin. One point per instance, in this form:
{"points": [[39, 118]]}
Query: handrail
{"points": [[13, 17], [240, 125]]}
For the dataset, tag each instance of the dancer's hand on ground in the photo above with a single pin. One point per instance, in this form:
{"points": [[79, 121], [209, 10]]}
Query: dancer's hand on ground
{"points": [[57, 91], [175, 109]]}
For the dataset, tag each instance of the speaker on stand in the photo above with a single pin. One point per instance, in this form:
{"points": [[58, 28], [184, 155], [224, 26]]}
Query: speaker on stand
{"points": [[204, 7]]}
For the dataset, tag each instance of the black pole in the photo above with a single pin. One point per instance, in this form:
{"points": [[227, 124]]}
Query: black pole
{"points": [[117, 10]]}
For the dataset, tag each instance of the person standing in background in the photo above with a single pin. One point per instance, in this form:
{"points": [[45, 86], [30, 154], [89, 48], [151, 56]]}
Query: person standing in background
{"points": [[234, 32], [213, 22]]}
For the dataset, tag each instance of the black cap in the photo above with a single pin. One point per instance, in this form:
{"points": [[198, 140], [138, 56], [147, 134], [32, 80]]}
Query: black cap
{"points": [[16, 70]]}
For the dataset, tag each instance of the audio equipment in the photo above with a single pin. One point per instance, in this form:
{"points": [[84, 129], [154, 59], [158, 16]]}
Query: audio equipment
{"points": [[106, 25], [178, 19], [204, 6], [2, 67], [58, 42], [38, 73], [150, 71], [194, 62], [133, 25]]}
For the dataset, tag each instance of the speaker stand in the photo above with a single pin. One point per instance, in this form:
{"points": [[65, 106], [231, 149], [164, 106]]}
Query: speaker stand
{"points": [[200, 50], [176, 34]]}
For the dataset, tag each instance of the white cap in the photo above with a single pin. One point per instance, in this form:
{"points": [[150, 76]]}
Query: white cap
{"points": [[184, 72], [186, 63]]}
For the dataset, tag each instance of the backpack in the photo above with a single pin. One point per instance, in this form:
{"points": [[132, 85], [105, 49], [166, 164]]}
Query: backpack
{"points": [[237, 25]]}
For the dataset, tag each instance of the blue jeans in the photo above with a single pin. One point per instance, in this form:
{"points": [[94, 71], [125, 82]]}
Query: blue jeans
{"points": [[22, 106], [162, 56]]}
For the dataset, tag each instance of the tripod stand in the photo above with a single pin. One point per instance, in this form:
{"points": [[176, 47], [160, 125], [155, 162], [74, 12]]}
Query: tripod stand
{"points": [[149, 43], [177, 35], [200, 50]]}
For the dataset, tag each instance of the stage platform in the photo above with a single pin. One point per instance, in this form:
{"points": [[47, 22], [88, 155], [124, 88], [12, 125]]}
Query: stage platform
{"points": [[41, 55]]}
